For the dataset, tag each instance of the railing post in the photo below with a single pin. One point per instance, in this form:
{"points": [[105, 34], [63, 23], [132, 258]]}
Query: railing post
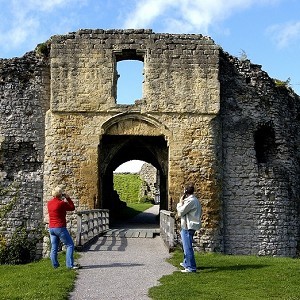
{"points": [[167, 228], [78, 231], [91, 223]]}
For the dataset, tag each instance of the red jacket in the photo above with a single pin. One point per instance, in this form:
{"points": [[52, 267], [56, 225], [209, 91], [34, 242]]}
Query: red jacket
{"points": [[57, 210]]}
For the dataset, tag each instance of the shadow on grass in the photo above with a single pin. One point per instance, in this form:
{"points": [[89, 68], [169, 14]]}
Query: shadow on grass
{"points": [[123, 214], [231, 268]]}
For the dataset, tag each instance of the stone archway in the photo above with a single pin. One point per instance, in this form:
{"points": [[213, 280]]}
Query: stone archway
{"points": [[127, 137]]}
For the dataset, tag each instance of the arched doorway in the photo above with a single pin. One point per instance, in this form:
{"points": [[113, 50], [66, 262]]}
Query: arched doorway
{"points": [[117, 149], [127, 137]]}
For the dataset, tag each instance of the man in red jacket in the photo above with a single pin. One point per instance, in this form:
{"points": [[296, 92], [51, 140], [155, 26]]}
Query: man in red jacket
{"points": [[57, 210]]}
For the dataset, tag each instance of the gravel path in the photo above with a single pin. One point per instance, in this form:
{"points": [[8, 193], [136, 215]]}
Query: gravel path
{"points": [[122, 268]]}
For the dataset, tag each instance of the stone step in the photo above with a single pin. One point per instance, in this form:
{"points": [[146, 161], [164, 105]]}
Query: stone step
{"points": [[132, 233], [116, 239]]}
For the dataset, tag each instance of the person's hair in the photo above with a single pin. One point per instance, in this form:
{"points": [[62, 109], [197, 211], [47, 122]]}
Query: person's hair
{"points": [[56, 192], [189, 189]]}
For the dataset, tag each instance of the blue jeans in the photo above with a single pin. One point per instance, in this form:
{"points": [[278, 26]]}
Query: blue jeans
{"points": [[61, 234], [187, 243]]}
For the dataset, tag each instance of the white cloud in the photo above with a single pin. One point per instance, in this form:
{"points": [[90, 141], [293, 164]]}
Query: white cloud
{"points": [[26, 21], [48, 5], [146, 12], [20, 28], [286, 34], [38, 5], [186, 15], [132, 166]]}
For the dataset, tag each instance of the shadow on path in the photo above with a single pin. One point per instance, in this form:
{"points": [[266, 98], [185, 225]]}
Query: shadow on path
{"points": [[147, 219], [121, 267]]}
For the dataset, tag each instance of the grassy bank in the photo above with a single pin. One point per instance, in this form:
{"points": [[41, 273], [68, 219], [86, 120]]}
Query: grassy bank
{"points": [[36, 281], [227, 277], [128, 187]]}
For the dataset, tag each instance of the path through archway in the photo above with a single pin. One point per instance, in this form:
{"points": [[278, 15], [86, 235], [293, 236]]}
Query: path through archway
{"points": [[117, 149]]}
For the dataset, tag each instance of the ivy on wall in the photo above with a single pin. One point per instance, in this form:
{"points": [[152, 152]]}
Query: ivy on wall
{"points": [[20, 248]]}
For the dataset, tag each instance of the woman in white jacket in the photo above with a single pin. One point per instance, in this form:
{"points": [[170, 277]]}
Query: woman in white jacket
{"points": [[189, 210]]}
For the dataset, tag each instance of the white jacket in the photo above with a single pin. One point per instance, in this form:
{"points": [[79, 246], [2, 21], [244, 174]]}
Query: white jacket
{"points": [[190, 213]]}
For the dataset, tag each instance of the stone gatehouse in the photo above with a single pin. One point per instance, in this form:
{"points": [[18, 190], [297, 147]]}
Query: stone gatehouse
{"points": [[204, 117]]}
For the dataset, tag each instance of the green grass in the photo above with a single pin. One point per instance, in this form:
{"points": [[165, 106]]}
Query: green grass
{"points": [[232, 277], [136, 208], [128, 186], [132, 210], [36, 281], [219, 276]]}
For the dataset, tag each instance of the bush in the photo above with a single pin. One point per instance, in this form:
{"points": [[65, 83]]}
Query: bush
{"points": [[20, 249], [43, 49], [147, 199]]}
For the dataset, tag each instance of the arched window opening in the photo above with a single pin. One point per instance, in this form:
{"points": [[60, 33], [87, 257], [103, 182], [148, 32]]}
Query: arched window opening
{"points": [[136, 181], [264, 143], [131, 166]]}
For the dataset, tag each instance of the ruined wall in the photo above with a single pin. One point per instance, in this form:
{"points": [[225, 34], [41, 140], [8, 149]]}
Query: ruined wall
{"points": [[180, 101], [204, 117], [24, 100], [150, 175], [260, 139]]}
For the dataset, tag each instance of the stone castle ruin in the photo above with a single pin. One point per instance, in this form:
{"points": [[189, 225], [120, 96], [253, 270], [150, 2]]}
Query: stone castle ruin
{"points": [[205, 117], [150, 187]]}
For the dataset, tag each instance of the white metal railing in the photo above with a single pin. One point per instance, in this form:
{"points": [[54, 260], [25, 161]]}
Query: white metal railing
{"points": [[91, 223], [167, 228]]}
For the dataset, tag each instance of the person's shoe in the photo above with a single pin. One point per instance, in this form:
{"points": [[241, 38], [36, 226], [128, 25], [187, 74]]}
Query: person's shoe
{"points": [[187, 271], [75, 267], [182, 264]]}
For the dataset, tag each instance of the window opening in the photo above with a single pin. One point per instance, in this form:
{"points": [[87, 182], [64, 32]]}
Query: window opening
{"points": [[137, 182], [129, 75], [265, 147], [130, 81]]}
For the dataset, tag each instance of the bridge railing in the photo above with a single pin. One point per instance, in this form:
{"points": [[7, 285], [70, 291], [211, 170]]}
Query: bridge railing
{"points": [[91, 223], [167, 228]]}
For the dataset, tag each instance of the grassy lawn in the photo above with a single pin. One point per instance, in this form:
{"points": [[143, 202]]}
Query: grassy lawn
{"points": [[131, 210], [136, 208], [233, 278], [218, 277], [36, 281]]}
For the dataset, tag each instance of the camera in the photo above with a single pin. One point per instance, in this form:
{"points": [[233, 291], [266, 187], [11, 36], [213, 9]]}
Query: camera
{"points": [[184, 194]]}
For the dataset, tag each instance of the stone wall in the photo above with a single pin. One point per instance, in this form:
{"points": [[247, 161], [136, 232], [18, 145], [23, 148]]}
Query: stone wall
{"points": [[204, 117], [24, 100], [85, 126], [150, 177], [260, 138]]}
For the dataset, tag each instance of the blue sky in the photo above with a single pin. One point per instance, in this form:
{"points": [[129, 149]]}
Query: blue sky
{"points": [[268, 31]]}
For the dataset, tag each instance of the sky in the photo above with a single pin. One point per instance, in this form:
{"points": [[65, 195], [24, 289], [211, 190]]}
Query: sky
{"points": [[266, 31]]}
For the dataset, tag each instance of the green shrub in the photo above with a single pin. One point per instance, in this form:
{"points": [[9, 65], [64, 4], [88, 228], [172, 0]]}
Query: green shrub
{"points": [[282, 84], [43, 49], [20, 249], [147, 199]]}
